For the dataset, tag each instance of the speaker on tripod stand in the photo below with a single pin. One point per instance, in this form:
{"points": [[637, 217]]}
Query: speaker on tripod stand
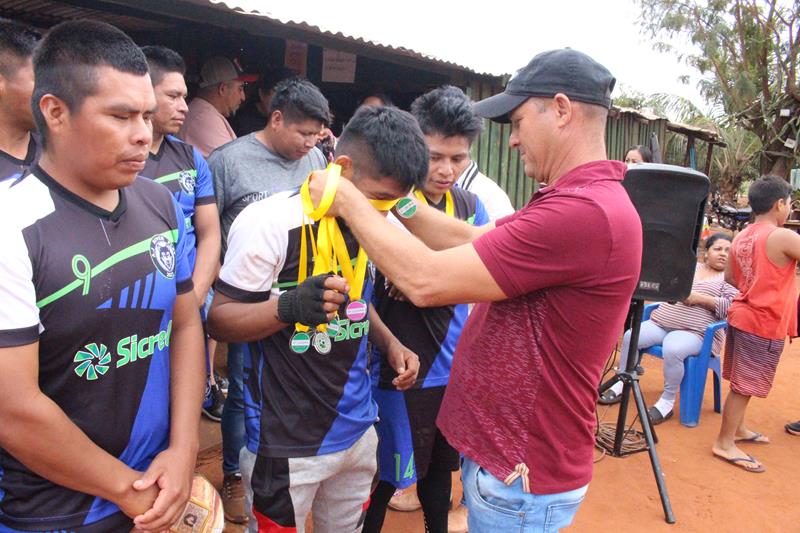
{"points": [[670, 201]]}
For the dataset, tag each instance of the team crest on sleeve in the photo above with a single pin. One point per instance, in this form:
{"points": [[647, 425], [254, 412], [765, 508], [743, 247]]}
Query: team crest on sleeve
{"points": [[162, 252], [187, 181]]}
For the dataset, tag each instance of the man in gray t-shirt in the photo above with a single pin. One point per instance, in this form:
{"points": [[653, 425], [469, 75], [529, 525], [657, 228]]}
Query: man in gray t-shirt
{"points": [[274, 159], [252, 167]]}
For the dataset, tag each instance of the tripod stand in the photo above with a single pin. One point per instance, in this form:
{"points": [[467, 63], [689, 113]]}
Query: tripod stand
{"points": [[630, 380]]}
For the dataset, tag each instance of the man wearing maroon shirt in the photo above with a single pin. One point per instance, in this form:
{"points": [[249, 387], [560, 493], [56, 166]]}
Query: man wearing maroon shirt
{"points": [[555, 280]]}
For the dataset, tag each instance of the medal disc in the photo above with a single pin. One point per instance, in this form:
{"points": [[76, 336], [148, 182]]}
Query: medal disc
{"points": [[334, 327], [300, 342], [356, 310], [406, 207], [322, 342]]}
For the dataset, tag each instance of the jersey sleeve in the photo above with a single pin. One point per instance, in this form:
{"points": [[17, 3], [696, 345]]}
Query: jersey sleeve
{"points": [[256, 249], [543, 246], [183, 250], [481, 215], [204, 187], [19, 315]]}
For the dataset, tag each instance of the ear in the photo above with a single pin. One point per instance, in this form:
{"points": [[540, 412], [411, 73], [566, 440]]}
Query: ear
{"points": [[563, 109], [55, 112], [276, 119], [346, 163]]}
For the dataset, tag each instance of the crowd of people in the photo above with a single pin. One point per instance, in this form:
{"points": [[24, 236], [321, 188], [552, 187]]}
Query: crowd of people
{"points": [[139, 231]]}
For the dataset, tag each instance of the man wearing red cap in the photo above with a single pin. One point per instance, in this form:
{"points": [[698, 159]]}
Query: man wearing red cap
{"points": [[221, 93], [554, 280]]}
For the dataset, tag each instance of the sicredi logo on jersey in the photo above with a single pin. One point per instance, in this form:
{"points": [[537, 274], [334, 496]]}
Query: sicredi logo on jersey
{"points": [[94, 359], [162, 252]]}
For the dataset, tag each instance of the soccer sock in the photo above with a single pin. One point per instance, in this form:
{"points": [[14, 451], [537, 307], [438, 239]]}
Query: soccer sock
{"points": [[664, 406], [434, 495], [378, 502]]}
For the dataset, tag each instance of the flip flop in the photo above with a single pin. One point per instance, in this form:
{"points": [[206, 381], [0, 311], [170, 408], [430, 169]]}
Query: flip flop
{"points": [[757, 438], [740, 461]]}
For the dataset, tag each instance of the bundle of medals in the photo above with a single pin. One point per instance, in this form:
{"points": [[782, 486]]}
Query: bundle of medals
{"points": [[330, 256]]}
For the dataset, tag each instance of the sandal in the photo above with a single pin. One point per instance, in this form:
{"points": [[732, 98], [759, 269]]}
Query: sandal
{"points": [[609, 397], [656, 417], [741, 462], [756, 438]]}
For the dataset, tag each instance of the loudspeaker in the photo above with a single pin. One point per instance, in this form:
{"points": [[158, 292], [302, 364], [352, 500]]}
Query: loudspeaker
{"points": [[671, 202]]}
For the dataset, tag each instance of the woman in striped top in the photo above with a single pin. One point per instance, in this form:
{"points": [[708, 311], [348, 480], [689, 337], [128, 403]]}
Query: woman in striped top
{"points": [[679, 327]]}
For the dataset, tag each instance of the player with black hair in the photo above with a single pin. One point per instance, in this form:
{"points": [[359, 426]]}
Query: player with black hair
{"points": [[274, 159], [18, 146], [451, 126], [98, 318], [183, 170], [412, 450], [309, 407]]}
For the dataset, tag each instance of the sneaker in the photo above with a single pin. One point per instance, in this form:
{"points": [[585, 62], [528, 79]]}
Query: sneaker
{"points": [[214, 402], [793, 428], [233, 498], [222, 383]]}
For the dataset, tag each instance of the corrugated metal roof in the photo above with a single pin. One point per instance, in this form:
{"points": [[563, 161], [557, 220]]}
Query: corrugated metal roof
{"points": [[45, 13], [311, 18]]}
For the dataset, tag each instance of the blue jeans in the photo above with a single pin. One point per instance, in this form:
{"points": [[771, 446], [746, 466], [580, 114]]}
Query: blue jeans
{"points": [[232, 425], [494, 506]]}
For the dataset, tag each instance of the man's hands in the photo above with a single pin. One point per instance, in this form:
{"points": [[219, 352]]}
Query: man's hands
{"points": [[316, 187], [313, 302], [170, 476], [405, 363]]}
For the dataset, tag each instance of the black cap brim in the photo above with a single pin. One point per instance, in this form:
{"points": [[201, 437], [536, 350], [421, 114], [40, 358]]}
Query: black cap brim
{"points": [[499, 107]]}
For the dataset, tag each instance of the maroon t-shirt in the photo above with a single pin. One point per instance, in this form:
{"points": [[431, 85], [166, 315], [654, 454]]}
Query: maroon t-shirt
{"points": [[525, 374]]}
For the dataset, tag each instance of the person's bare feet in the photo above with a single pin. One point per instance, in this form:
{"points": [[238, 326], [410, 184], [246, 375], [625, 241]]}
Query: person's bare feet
{"points": [[738, 458]]}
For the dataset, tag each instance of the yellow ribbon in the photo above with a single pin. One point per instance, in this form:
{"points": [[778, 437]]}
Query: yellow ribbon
{"points": [[329, 247], [449, 209]]}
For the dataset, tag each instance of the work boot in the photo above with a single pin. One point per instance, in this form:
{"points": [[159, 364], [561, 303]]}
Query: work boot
{"points": [[233, 498]]}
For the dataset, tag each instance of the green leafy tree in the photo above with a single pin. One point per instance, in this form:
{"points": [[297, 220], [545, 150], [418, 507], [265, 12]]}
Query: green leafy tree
{"points": [[747, 52]]}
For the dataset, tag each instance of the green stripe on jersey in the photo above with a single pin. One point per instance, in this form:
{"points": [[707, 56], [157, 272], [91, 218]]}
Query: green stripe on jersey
{"points": [[89, 273], [175, 175]]}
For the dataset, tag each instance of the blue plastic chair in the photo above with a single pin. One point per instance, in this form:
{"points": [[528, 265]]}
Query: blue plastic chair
{"points": [[696, 369]]}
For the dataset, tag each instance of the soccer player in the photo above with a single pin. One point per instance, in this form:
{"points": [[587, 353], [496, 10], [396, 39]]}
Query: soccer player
{"points": [[18, 146], [310, 412], [274, 159], [101, 365], [411, 448], [181, 168]]}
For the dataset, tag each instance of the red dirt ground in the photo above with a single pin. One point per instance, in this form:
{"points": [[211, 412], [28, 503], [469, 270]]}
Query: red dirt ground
{"points": [[707, 494]]}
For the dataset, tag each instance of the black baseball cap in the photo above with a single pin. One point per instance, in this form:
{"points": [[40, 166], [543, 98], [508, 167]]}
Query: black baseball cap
{"points": [[565, 71]]}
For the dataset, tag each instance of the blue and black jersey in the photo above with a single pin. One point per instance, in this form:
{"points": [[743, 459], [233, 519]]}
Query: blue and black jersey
{"points": [[12, 168], [182, 169], [296, 404], [431, 333], [96, 289]]}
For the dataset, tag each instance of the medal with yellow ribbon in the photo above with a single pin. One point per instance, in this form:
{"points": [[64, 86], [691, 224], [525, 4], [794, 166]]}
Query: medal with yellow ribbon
{"points": [[330, 255]]}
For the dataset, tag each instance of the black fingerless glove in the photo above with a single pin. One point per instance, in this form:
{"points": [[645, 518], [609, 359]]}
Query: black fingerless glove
{"points": [[305, 303]]}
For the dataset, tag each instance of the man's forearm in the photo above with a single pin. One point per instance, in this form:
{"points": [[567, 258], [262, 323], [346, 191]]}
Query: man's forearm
{"points": [[187, 379], [233, 321], [439, 231], [206, 268], [379, 333]]}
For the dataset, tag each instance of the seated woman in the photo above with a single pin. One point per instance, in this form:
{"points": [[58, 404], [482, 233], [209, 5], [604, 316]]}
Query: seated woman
{"points": [[679, 327], [637, 154]]}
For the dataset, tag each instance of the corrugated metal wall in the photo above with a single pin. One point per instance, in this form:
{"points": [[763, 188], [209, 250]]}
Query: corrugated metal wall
{"points": [[502, 164], [494, 157]]}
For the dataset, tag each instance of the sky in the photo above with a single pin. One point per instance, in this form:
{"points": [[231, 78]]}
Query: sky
{"points": [[500, 36]]}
